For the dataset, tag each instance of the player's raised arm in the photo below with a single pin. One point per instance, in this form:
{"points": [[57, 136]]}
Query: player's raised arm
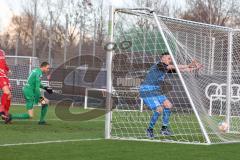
{"points": [[46, 88], [194, 65]]}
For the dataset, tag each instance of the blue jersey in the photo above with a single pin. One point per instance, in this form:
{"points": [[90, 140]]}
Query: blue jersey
{"points": [[151, 86]]}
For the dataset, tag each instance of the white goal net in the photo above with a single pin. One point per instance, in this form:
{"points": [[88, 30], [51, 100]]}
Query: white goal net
{"points": [[20, 66], [206, 102]]}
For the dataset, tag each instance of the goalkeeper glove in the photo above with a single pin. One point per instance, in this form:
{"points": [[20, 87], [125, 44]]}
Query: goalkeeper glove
{"points": [[42, 100], [48, 89]]}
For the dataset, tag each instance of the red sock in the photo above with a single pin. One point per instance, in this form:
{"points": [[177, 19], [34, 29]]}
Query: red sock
{"points": [[4, 101], [7, 107], [2, 108]]}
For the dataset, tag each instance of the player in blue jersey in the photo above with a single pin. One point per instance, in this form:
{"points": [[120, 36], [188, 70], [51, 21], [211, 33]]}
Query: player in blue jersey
{"points": [[153, 89]]}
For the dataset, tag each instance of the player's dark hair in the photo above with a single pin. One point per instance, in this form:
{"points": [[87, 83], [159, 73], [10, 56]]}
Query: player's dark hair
{"points": [[165, 53], [44, 64]]}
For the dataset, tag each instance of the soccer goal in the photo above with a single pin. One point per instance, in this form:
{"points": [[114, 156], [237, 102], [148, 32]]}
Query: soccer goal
{"points": [[140, 36], [20, 66]]}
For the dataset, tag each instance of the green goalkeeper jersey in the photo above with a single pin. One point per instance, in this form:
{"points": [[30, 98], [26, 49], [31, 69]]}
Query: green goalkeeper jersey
{"points": [[33, 85]]}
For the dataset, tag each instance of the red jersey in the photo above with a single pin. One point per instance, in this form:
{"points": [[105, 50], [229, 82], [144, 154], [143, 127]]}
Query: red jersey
{"points": [[4, 69]]}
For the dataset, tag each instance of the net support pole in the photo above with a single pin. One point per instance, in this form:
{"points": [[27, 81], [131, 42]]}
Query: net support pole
{"points": [[181, 78], [213, 54], [109, 77], [50, 39], [86, 99], [141, 105], [65, 40], [229, 79], [34, 29], [30, 66]]}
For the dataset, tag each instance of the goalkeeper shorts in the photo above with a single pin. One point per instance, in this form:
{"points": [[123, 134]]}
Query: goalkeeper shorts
{"points": [[30, 102], [154, 102], [30, 99]]}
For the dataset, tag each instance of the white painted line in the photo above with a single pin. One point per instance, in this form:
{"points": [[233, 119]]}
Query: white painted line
{"points": [[17, 120], [48, 142]]}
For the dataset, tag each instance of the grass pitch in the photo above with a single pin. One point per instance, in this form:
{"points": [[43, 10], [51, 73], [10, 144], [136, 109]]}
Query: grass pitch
{"points": [[84, 140]]}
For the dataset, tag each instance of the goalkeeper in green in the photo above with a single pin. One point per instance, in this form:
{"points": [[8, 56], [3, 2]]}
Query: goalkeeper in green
{"points": [[32, 94]]}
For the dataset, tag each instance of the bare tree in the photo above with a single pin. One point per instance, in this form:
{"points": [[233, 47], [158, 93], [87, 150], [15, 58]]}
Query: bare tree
{"points": [[218, 12], [85, 16], [160, 6]]}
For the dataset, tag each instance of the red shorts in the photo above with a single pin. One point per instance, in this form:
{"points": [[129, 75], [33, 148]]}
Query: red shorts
{"points": [[4, 81]]}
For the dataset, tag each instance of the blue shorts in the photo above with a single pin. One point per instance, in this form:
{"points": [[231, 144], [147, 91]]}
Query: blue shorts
{"points": [[153, 102]]}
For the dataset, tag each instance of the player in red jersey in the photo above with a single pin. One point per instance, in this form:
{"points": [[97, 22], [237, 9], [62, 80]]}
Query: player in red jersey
{"points": [[5, 86]]}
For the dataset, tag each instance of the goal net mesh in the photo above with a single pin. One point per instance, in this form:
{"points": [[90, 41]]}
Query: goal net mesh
{"points": [[204, 90], [20, 68]]}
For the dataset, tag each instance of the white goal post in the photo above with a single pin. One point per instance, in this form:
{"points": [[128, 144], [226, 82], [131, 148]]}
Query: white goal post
{"points": [[197, 110]]}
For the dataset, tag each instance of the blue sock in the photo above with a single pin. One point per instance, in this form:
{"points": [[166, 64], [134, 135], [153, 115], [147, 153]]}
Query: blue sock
{"points": [[154, 119], [166, 116]]}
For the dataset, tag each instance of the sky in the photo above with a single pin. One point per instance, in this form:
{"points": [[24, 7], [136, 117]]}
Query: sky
{"points": [[123, 3], [8, 8]]}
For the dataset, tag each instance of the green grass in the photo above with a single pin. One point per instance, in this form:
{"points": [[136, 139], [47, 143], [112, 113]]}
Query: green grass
{"points": [[30, 132]]}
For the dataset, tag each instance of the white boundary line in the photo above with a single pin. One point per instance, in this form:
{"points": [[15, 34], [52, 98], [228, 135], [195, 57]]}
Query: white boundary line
{"points": [[56, 120], [48, 142]]}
